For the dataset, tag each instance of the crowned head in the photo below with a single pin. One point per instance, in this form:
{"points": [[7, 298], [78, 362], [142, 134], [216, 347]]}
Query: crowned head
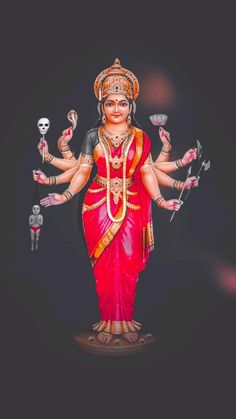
{"points": [[116, 80]]}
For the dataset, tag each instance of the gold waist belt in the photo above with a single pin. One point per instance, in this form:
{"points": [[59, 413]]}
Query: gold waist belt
{"points": [[116, 185], [116, 182]]}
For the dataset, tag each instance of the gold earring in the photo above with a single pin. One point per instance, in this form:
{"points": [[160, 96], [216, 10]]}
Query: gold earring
{"points": [[104, 119], [129, 119]]}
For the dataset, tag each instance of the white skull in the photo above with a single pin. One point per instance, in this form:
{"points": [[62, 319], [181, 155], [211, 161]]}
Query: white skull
{"points": [[43, 125], [36, 209]]}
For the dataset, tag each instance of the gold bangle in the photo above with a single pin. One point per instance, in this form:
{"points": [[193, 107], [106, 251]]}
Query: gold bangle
{"points": [[159, 199], [49, 158], [72, 155], [165, 152], [159, 202], [52, 180], [178, 184], [179, 163], [68, 194], [156, 197], [164, 148]]}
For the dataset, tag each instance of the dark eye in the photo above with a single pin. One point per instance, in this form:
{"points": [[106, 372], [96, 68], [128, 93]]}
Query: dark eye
{"points": [[108, 104], [124, 104]]}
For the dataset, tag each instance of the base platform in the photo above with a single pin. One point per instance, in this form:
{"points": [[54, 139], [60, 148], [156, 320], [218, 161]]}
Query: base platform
{"points": [[117, 347]]}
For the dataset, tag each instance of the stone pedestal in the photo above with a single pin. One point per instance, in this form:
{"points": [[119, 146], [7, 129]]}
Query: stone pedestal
{"points": [[117, 347]]}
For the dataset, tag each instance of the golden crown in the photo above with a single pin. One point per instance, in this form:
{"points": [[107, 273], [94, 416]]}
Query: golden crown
{"points": [[116, 79]]}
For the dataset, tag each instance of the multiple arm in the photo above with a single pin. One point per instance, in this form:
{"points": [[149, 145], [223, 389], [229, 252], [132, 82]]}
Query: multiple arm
{"points": [[154, 174], [77, 183], [151, 185], [162, 162], [68, 161]]}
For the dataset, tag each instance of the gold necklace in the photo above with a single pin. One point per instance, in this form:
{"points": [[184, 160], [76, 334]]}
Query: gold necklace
{"points": [[106, 149], [116, 139]]}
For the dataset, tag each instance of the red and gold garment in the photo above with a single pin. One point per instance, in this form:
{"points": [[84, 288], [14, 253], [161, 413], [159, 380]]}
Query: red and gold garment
{"points": [[119, 250]]}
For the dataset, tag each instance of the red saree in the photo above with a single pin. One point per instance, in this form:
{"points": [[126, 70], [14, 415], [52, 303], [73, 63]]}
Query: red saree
{"points": [[119, 250]]}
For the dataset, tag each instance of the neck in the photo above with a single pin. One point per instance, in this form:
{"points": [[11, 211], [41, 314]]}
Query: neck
{"points": [[116, 128]]}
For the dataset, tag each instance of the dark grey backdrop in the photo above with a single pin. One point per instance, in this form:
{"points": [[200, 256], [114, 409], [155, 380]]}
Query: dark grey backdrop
{"points": [[50, 63]]}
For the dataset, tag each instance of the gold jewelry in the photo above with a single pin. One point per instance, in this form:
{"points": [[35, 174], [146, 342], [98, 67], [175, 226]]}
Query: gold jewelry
{"points": [[116, 162], [92, 207], [104, 118], [87, 160], [129, 119], [116, 139], [68, 194], [165, 152], [159, 199], [52, 180], [116, 185], [116, 79], [72, 155], [49, 158], [178, 184], [62, 146], [106, 149], [179, 163]]}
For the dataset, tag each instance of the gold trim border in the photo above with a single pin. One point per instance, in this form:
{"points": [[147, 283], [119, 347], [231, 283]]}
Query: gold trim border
{"points": [[116, 327]]}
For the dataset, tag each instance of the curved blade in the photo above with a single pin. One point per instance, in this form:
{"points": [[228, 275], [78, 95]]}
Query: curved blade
{"points": [[206, 165], [199, 150]]}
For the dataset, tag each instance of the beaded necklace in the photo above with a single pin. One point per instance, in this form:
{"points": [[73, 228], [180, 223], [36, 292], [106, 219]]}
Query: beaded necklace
{"points": [[124, 153]]}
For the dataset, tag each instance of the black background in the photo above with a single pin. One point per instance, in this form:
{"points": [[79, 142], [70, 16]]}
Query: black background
{"points": [[45, 53]]}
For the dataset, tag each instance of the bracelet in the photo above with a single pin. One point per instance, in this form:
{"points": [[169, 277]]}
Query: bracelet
{"points": [[49, 158], [72, 155], [68, 194], [165, 148], [63, 146], [158, 200], [178, 184], [179, 163], [65, 151], [52, 180], [165, 152]]}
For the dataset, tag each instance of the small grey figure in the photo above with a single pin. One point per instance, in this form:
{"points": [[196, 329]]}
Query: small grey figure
{"points": [[35, 223]]}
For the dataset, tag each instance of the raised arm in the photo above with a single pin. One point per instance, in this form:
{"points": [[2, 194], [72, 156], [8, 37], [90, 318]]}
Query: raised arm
{"points": [[164, 154], [62, 164], [171, 166], [63, 144], [80, 177]]}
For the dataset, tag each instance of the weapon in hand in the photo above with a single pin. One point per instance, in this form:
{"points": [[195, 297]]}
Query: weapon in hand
{"points": [[206, 166], [199, 155], [199, 150], [43, 125], [182, 190]]}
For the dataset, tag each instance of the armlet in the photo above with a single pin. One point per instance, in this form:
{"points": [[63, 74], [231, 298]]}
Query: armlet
{"points": [[148, 161], [87, 160]]}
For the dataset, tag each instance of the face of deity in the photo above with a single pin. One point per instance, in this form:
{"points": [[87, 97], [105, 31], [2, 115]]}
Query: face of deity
{"points": [[116, 108]]}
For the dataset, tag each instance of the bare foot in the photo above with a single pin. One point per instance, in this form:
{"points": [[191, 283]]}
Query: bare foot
{"points": [[104, 337], [131, 337]]}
